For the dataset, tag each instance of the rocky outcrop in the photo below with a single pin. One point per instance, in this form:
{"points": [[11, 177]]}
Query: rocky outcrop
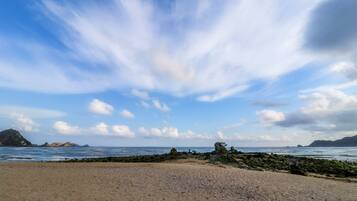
{"points": [[59, 144], [13, 138]]}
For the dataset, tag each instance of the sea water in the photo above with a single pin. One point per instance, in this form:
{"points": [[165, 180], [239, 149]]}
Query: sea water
{"points": [[8, 154]]}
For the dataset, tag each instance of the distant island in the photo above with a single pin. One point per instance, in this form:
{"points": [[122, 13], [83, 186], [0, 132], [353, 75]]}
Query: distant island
{"points": [[60, 144], [344, 142], [13, 138]]}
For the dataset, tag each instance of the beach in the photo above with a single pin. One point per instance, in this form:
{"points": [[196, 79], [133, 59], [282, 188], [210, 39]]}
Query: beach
{"points": [[161, 181]]}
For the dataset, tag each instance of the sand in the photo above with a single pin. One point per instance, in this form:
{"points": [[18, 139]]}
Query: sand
{"points": [[160, 181]]}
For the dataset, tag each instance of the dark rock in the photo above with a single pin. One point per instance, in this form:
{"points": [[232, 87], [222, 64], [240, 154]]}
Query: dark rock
{"points": [[173, 151], [232, 150], [220, 148], [11, 137]]}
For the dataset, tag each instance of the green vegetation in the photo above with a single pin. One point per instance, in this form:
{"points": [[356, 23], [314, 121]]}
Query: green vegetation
{"points": [[252, 161], [292, 164], [142, 158]]}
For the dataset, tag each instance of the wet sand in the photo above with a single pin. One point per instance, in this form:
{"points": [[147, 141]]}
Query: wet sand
{"points": [[160, 181]]}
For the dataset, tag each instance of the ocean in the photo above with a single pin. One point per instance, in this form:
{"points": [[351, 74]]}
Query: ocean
{"points": [[8, 154]]}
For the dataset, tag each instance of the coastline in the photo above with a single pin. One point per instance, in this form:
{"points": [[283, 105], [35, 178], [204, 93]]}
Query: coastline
{"points": [[62, 153], [175, 180]]}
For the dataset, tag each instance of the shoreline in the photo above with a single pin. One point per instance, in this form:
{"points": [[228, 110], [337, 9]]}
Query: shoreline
{"points": [[252, 161], [299, 165], [62, 153], [174, 180]]}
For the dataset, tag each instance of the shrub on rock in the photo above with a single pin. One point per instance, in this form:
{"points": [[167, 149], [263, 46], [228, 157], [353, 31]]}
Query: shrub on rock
{"points": [[220, 148]]}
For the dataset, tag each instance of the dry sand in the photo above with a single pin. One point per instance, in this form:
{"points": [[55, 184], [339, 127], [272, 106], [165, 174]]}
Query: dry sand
{"points": [[160, 181]]}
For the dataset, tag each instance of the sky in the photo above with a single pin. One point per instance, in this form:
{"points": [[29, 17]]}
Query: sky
{"points": [[179, 73]]}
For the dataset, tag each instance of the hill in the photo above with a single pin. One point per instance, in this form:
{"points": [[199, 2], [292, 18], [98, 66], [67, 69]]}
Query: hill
{"points": [[11, 137], [344, 142]]}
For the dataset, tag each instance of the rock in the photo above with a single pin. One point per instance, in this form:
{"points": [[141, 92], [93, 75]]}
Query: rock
{"points": [[60, 144], [11, 137], [173, 151]]}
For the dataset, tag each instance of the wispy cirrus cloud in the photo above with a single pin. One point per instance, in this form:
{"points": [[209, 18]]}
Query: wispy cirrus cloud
{"points": [[204, 48], [32, 112]]}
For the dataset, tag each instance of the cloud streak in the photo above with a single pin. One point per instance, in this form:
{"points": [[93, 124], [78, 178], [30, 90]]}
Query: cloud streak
{"points": [[171, 132], [32, 112], [204, 49]]}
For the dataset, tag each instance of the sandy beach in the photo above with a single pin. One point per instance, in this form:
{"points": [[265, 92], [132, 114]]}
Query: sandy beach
{"points": [[160, 181]]}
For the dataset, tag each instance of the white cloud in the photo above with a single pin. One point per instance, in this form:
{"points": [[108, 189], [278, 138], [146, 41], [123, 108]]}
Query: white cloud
{"points": [[23, 122], [160, 106], [122, 131], [270, 116], [24, 117], [100, 107], [101, 128], [346, 68], [64, 128], [250, 138], [327, 101], [141, 94], [327, 110], [171, 132], [214, 49], [260, 137], [150, 102], [164, 132], [127, 114]]}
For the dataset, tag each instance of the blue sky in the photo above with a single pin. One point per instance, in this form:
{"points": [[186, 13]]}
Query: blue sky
{"points": [[179, 73]]}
